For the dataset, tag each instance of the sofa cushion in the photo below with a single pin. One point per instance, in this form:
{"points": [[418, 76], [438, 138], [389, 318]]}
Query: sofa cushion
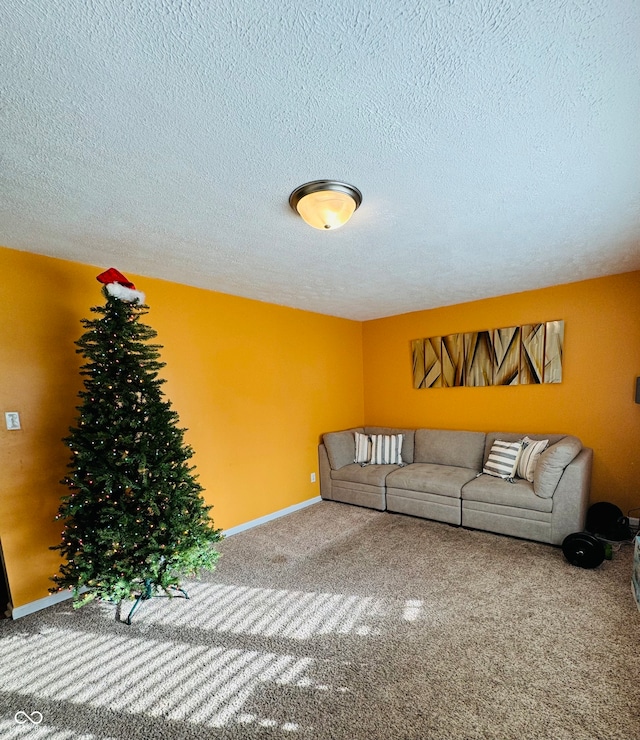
{"points": [[446, 447], [341, 447], [445, 480], [407, 441], [386, 449], [372, 475], [503, 459], [518, 494], [552, 463]]}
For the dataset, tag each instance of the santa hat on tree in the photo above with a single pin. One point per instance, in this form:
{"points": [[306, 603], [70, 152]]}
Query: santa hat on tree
{"points": [[118, 286]]}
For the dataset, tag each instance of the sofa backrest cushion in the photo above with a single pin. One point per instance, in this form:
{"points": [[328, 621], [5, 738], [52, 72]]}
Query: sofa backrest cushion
{"points": [[407, 441], [447, 447], [341, 447], [551, 465]]}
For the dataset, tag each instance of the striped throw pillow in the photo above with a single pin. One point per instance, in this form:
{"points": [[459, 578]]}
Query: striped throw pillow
{"points": [[503, 459], [531, 451], [386, 449], [363, 449]]}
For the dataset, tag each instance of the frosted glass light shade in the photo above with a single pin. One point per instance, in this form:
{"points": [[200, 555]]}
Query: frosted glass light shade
{"points": [[326, 209], [325, 204]]}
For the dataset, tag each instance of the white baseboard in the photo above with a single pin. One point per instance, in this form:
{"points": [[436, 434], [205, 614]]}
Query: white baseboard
{"points": [[634, 522], [35, 606], [271, 517]]}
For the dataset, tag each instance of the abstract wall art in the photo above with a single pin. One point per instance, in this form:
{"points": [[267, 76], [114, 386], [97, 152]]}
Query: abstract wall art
{"points": [[506, 348], [478, 358], [514, 355], [532, 353], [453, 360], [553, 348], [427, 362]]}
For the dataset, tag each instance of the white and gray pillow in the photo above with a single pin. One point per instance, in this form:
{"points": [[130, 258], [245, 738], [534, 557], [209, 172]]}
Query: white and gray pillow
{"points": [[531, 451], [386, 449], [503, 459], [363, 448]]}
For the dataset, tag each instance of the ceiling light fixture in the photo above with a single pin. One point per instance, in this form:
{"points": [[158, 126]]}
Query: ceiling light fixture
{"points": [[325, 204]]}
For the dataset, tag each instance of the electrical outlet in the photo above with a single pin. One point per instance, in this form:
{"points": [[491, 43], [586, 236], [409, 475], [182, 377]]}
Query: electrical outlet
{"points": [[12, 419], [313, 477]]}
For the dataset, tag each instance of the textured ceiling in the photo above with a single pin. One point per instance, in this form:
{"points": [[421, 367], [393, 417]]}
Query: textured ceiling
{"points": [[495, 143]]}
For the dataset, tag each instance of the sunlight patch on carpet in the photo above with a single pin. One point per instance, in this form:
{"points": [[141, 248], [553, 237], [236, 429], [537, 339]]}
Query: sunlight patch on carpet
{"points": [[294, 615], [169, 680]]}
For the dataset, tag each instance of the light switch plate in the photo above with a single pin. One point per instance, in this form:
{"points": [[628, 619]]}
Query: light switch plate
{"points": [[13, 420]]}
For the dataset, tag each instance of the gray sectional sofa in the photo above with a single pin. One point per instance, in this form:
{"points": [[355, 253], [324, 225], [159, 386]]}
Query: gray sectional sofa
{"points": [[441, 478]]}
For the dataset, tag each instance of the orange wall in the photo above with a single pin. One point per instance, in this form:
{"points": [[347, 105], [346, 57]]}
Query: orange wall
{"points": [[595, 400], [255, 384]]}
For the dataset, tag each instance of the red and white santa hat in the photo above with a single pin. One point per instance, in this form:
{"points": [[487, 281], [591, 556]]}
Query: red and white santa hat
{"points": [[118, 286]]}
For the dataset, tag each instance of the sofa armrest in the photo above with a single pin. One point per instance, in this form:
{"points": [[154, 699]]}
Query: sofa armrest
{"points": [[325, 472], [571, 497]]}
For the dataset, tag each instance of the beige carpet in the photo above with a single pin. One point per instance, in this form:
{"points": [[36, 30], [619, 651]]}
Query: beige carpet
{"points": [[341, 622]]}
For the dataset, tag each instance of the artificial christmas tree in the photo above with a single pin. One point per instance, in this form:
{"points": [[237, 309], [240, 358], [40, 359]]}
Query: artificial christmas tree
{"points": [[135, 520]]}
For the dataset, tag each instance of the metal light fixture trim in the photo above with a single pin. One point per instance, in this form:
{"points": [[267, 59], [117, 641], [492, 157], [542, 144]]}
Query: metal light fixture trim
{"points": [[325, 204]]}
